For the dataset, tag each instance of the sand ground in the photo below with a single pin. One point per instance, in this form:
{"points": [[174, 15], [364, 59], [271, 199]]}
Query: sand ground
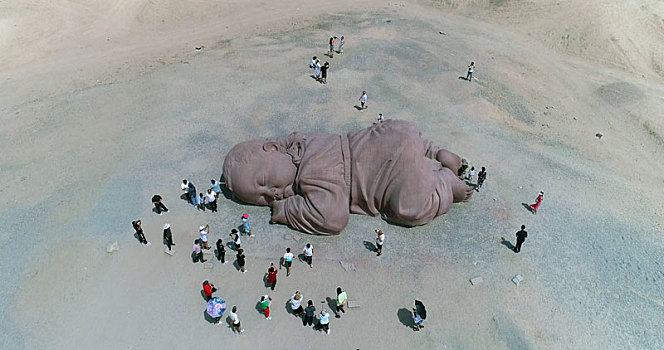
{"points": [[105, 105]]}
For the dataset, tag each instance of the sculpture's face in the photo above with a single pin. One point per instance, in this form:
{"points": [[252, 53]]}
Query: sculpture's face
{"points": [[272, 179]]}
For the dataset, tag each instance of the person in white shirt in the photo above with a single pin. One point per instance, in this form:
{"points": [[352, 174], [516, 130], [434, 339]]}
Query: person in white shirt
{"points": [[363, 101], [235, 236], [185, 187], [380, 239], [324, 321], [317, 70], [471, 174], [313, 62], [288, 261], [236, 321], [308, 251], [296, 303], [471, 69], [203, 230], [211, 199]]}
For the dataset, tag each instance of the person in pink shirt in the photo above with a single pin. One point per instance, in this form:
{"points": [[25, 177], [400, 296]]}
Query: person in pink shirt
{"points": [[198, 253]]}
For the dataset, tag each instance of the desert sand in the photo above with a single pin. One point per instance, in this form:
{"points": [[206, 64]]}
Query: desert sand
{"points": [[106, 104]]}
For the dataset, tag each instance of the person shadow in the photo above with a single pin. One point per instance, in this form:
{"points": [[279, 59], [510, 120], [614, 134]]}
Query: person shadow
{"points": [[301, 257], [288, 308], [259, 309], [203, 295], [332, 305], [359, 108], [313, 76], [137, 237], [506, 243], [184, 198], [211, 319], [231, 246], [527, 206], [463, 78], [370, 246], [406, 317]]}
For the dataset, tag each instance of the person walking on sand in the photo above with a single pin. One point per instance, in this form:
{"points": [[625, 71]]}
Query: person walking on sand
{"points": [[192, 194], [538, 202], [324, 321], [185, 188], [323, 72], [235, 236], [288, 261], [380, 239], [216, 187], [296, 304], [272, 276], [265, 303], [331, 53], [221, 251], [245, 225], [203, 230], [168, 236], [308, 251], [471, 174], [342, 298], [156, 200], [380, 118], [139, 232], [471, 69], [418, 320], [235, 320], [201, 201], [317, 70], [198, 253], [341, 45], [309, 312], [481, 177], [520, 238], [363, 101], [208, 289], [211, 197], [240, 260], [312, 64]]}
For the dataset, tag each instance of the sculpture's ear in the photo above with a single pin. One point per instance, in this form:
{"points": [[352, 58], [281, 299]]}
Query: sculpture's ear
{"points": [[271, 146]]}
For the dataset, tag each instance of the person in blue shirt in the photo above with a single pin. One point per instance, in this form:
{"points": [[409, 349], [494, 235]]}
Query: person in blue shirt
{"points": [[192, 194], [418, 320], [324, 321], [216, 187], [245, 224]]}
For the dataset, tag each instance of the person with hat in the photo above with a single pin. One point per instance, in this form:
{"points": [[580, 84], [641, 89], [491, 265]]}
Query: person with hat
{"points": [[296, 303], [139, 232], [168, 236], [538, 202], [380, 239], [245, 224], [265, 303], [204, 236], [156, 200], [324, 321]]}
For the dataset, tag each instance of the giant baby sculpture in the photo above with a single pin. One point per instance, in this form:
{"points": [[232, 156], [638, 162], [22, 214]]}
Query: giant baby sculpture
{"points": [[313, 181]]}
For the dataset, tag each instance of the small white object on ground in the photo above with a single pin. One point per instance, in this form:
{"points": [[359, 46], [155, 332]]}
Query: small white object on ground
{"points": [[113, 247], [353, 304], [517, 279], [169, 252], [477, 280]]}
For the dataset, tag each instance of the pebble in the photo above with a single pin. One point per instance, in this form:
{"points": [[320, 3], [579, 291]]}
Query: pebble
{"points": [[113, 247]]}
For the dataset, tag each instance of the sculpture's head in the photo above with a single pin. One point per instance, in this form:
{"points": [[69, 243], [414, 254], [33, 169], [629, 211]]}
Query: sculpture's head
{"points": [[259, 172]]}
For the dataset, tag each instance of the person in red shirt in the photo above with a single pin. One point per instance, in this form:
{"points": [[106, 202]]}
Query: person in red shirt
{"points": [[272, 276], [208, 289], [538, 202]]}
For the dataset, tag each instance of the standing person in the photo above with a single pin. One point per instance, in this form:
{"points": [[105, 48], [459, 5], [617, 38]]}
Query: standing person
{"points": [[221, 252], [185, 187], [380, 118], [308, 319], [331, 53], [308, 251], [288, 261], [192, 194], [341, 45], [245, 224], [201, 201], [480, 179], [198, 253], [156, 200], [323, 72], [216, 187], [317, 70], [235, 236], [417, 318], [471, 69], [471, 174], [538, 202], [236, 321], [363, 101], [240, 260], [203, 230], [313, 62], [341, 302], [272, 276], [168, 236], [324, 321], [380, 239], [139, 232], [296, 303], [520, 238], [265, 303], [208, 289], [211, 197]]}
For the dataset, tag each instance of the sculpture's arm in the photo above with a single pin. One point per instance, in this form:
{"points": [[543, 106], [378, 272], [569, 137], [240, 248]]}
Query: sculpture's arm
{"points": [[322, 208]]}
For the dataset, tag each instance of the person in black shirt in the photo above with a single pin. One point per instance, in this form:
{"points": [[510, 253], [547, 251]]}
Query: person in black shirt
{"points": [[240, 260], [221, 251], [168, 236], [308, 319], [323, 72], [520, 238], [480, 179], [156, 200], [139, 231]]}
